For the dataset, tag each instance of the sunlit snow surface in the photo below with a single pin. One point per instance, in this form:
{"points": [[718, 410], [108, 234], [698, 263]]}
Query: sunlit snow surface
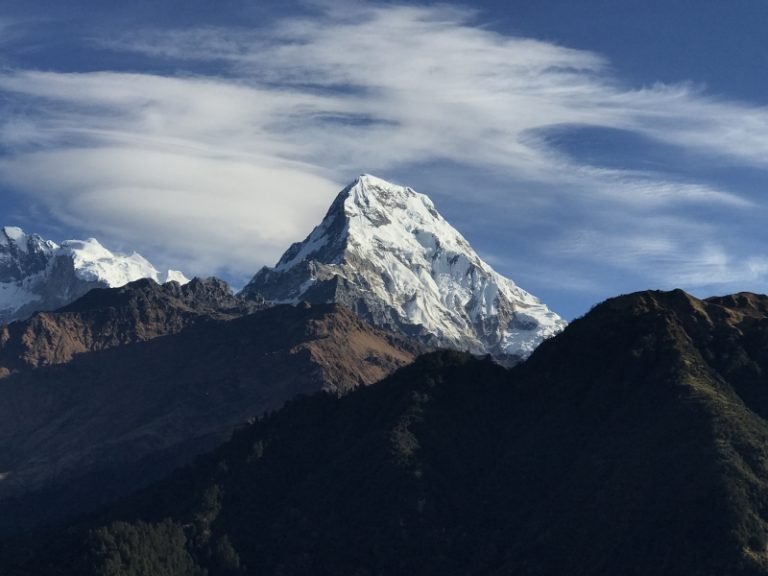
{"points": [[173, 276], [94, 263], [393, 245]]}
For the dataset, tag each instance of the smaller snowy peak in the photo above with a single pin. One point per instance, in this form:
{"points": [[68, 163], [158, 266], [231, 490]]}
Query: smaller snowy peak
{"points": [[94, 263], [173, 276], [37, 274]]}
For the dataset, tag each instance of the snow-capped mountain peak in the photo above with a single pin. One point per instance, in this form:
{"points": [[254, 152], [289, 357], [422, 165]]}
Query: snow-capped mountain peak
{"points": [[37, 274], [373, 213], [385, 251], [93, 262], [173, 276]]}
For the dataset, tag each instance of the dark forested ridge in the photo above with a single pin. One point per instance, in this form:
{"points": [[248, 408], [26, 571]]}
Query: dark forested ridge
{"points": [[634, 443]]}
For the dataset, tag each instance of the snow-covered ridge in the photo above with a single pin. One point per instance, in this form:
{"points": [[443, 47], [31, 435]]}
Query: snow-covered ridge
{"points": [[94, 263], [385, 251], [37, 274]]}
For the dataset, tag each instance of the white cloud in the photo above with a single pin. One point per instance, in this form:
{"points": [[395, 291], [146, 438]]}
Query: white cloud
{"points": [[429, 73], [232, 168], [197, 211], [667, 252]]}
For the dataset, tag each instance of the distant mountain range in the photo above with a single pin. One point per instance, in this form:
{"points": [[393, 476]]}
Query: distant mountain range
{"points": [[38, 274], [635, 442]]}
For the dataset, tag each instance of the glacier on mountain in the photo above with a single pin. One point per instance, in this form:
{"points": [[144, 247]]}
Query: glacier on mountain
{"points": [[384, 251], [37, 274]]}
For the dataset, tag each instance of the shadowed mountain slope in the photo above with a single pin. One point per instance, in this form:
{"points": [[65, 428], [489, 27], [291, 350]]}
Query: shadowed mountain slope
{"points": [[633, 443], [69, 432]]}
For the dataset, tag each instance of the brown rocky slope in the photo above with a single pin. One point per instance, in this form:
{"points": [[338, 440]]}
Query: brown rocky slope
{"points": [[109, 317]]}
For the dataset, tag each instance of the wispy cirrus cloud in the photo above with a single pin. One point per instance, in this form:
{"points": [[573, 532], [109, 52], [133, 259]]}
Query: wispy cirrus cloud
{"points": [[231, 166], [431, 69]]}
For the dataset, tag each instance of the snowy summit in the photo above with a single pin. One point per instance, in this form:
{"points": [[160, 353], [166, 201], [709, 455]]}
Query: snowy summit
{"points": [[37, 274], [384, 251]]}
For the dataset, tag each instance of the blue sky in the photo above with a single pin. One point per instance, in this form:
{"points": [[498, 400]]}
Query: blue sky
{"points": [[585, 149]]}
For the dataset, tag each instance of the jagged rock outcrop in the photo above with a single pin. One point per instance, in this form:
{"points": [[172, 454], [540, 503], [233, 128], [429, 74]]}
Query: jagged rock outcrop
{"points": [[109, 317]]}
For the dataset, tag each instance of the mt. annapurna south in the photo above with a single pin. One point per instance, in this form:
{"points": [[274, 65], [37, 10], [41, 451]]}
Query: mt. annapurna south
{"points": [[384, 251]]}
